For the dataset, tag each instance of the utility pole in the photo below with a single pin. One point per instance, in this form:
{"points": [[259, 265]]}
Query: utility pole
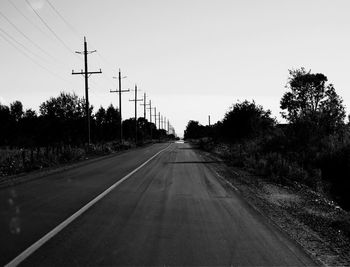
{"points": [[144, 112], [209, 119], [168, 127], [86, 74], [150, 117], [144, 105], [136, 100], [150, 111], [159, 120], [120, 91], [155, 116]]}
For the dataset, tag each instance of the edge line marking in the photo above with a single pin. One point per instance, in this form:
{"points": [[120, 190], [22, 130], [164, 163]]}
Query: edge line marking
{"points": [[35, 246]]}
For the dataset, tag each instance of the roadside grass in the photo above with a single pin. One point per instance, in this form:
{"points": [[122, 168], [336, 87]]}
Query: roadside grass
{"points": [[18, 160]]}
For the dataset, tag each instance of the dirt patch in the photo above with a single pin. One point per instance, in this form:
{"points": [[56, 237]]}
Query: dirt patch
{"points": [[318, 224]]}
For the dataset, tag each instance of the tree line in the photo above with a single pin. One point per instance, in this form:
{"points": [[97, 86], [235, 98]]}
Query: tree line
{"points": [[58, 133], [312, 148], [62, 121]]}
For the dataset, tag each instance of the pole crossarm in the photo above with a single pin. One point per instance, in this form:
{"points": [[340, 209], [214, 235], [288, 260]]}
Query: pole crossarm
{"points": [[121, 91], [89, 72]]}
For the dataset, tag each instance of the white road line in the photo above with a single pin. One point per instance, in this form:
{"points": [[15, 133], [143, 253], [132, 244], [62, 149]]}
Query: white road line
{"points": [[26, 253], [228, 182]]}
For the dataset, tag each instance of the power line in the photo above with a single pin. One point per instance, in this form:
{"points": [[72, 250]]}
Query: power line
{"points": [[30, 58], [77, 34], [27, 19], [26, 36], [20, 44], [63, 19], [49, 28]]}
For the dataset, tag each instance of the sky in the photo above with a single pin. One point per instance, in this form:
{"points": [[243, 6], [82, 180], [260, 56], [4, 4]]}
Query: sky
{"points": [[193, 58]]}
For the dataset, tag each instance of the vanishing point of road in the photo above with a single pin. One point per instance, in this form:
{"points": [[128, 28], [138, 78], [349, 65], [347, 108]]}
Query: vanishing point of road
{"points": [[164, 205]]}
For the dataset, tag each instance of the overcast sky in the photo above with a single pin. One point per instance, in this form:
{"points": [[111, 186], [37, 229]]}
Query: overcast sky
{"points": [[193, 58]]}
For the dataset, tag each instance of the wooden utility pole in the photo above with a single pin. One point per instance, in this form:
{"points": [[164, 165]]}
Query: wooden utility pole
{"points": [[155, 117], [209, 119], [136, 100], [144, 106], [159, 120], [150, 117], [150, 111], [120, 91], [86, 74]]}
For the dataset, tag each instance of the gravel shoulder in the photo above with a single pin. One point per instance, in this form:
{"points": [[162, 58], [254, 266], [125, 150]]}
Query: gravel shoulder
{"points": [[318, 224]]}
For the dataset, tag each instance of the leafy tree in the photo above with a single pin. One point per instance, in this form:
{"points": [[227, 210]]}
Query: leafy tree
{"points": [[100, 116], [112, 123], [29, 129], [193, 130], [16, 110], [5, 122], [311, 100], [63, 119], [66, 106], [246, 120]]}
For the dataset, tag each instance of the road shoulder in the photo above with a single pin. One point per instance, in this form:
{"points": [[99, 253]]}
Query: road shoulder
{"points": [[299, 212]]}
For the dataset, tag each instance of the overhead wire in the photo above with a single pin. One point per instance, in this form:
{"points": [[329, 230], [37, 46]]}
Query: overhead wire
{"points": [[7, 39], [49, 28], [73, 29], [76, 32], [27, 37], [27, 19], [20, 44]]}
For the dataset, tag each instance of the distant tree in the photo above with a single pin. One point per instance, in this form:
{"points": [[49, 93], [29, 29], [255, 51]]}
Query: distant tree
{"points": [[5, 122], [100, 127], [66, 106], [16, 110], [112, 122], [29, 129], [129, 128], [100, 116], [194, 130], [246, 120], [312, 101], [63, 119], [30, 114]]}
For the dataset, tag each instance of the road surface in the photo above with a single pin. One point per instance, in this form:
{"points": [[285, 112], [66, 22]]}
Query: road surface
{"points": [[172, 211]]}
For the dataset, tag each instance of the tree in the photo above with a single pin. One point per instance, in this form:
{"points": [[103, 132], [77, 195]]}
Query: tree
{"points": [[194, 130], [100, 116], [16, 110], [63, 119], [312, 101], [5, 122], [112, 120], [66, 106], [246, 120]]}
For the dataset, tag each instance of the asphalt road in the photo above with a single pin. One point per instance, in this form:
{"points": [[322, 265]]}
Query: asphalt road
{"points": [[172, 211]]}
